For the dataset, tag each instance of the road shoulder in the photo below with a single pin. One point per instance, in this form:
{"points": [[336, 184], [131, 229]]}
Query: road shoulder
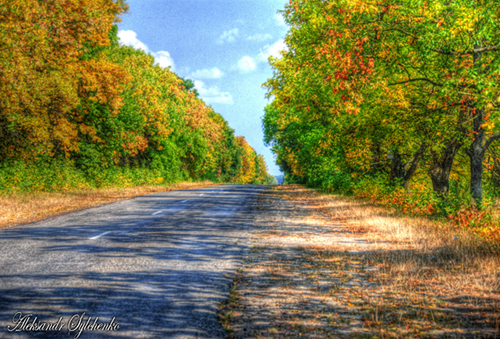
{"points": [[310, 274]]}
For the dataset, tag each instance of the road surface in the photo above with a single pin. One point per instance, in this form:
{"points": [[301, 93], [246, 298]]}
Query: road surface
{"points": [[149, 267]]}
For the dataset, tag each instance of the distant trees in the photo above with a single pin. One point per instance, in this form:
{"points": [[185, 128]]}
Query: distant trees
{"points": [[189, 85], [78, 110]]}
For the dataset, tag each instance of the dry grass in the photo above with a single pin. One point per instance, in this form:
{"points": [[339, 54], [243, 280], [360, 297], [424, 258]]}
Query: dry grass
{"points": [[22, 208], [421, 248], [325, 266]]}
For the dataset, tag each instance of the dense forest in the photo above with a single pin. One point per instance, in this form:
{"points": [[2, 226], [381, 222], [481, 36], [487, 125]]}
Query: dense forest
{"points": [[78, 110], [395, 101]]}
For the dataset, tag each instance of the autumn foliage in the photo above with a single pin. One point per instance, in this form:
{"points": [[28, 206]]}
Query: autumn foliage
{"points": [[78, 110], [397, 101]]}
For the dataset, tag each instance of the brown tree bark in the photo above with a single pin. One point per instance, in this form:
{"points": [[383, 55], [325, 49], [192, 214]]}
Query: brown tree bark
{"points": [[441, 167], [412, 165], [405, 172], [476, 153]]}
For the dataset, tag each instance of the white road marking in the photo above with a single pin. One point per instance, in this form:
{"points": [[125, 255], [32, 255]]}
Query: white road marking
{"points": [[184, 201], [201, 194], [99, 235], [155, 213]]}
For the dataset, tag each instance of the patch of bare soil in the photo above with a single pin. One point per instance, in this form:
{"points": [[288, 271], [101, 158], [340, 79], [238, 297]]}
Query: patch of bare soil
{"points": [[311, 273]]}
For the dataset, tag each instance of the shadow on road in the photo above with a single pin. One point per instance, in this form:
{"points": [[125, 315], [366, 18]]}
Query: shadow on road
{"points": [[160, 276]]}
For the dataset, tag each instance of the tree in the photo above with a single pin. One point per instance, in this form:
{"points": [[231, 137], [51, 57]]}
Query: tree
{"points": [[43, 71], [415, 78], [189, 86]]}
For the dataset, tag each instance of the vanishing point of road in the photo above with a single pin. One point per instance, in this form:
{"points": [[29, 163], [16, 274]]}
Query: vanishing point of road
{"points": [[154, 265]]}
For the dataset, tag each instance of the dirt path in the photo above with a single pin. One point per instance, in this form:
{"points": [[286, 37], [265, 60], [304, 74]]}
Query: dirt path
{"points": [[309, 275]]}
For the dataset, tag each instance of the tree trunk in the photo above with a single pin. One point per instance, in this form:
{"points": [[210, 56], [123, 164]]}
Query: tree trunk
{"points": [[476, 150], [377, 156], [412, 165], [397, 169], [476, 176], [495, 172], [476, 155], [441, 168]]}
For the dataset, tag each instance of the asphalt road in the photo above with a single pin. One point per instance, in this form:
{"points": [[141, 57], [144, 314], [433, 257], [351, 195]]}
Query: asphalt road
{"points": [[154, 263]]}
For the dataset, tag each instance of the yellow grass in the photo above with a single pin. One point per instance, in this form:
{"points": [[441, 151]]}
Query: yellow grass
{"points": [[19, 208], [428, 250], [325, 266]]}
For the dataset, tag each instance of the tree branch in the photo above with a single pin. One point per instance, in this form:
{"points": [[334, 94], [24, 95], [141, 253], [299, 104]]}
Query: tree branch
{"points": [[417, 79], [490, 140], [411, 166], [474, 51], [431, 82]]}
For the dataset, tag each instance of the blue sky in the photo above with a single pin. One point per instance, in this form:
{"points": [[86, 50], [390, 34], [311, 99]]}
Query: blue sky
{"points": [[223, 45]]}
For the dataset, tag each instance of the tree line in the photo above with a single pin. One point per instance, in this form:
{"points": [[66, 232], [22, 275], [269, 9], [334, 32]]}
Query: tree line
{"points": [[394, 98], [79, 110]]}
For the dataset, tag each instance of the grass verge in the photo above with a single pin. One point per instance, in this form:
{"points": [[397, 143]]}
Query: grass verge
{"points": [[19, 208], [325, 266]]}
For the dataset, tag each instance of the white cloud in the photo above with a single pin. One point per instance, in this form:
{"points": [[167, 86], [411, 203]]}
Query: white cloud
{"points": [[228, 36], [213, 94], [247, 64], [129, 38], [212, 73], [272, 50], [280, 21], [163, 59], [260, 37]]}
